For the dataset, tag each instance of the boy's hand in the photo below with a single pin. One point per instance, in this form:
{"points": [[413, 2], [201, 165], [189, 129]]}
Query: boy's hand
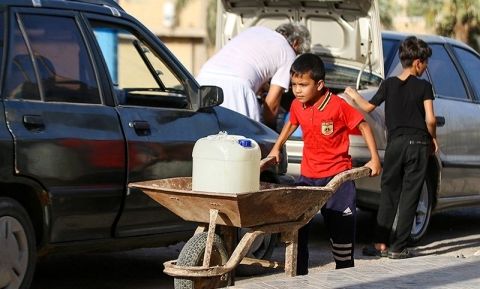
{"points": [[375, 166], [434, 146], [276, 154], [351, 93]]}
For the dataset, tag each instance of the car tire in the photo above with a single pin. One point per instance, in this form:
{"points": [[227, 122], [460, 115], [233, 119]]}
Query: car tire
{"points": [[422, 216], [17, 246], [192, 255], [262, 248]]}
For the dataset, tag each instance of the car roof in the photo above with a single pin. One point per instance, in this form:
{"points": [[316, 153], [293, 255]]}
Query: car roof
{"points": [[429, 38], [61, 3]]}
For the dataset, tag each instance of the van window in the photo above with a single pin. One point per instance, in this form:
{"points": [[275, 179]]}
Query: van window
{"points": [[58, 65], [140, 76]]}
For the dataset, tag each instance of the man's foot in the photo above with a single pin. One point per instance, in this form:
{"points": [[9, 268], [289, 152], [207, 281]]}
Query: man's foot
{"points": [[406, 253], [372, 251]]}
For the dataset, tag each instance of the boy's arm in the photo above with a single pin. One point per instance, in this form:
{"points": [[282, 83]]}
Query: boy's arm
{"points": [[272, 104], [362, 103], [374, 163], [431, 122], [287, 130]]}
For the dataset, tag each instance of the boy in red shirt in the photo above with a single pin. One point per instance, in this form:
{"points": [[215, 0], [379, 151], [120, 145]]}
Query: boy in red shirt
{"points": [[326, 120]]}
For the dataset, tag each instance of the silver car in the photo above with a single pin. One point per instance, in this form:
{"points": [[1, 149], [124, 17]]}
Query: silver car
{"points": [[346, 34], [454, 174]]}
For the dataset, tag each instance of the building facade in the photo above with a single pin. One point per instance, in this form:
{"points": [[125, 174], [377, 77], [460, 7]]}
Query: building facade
{"points": [[183, 32]]}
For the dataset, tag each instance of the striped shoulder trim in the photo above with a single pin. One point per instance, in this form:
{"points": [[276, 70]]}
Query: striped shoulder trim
{"points": [[325, 101]]}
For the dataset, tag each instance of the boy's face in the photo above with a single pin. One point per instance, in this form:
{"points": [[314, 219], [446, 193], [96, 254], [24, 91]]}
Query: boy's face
{"points": [[305, 89]]}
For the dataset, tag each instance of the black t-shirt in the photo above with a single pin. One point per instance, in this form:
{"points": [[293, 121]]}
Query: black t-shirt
{"points": [[404, 108]]}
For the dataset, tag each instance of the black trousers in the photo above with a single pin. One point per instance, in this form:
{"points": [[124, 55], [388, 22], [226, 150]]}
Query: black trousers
{"points": [[339, 214], [404, 170]]}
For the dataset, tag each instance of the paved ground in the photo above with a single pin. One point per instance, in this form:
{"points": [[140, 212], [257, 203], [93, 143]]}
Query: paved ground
{"points": [[434, 271], [449, 257]]}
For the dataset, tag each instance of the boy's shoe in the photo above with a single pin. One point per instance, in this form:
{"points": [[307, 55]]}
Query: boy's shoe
{"points": [[372, 251], [406, 253]]}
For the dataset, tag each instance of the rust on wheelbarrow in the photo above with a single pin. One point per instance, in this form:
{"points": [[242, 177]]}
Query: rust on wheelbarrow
{"points": [[272, 209], [271, 204]]}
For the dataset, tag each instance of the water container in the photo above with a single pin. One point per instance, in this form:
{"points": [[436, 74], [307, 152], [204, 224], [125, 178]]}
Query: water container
{"points": [[226, 163]]}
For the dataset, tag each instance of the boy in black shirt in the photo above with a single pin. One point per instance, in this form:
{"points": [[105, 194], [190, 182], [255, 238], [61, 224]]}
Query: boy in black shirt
{"points": [[411, 126]]}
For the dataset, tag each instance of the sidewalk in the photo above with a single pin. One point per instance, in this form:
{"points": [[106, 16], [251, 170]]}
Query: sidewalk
{"points": [[433, 271]]}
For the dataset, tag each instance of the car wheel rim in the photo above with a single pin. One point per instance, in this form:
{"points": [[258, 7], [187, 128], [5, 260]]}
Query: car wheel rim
{"points": [[421, 213], [259, 246], [13, 252]]}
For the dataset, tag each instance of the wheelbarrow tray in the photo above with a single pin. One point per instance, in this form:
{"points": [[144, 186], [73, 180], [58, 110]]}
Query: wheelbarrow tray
{"points": [[271, 204]]}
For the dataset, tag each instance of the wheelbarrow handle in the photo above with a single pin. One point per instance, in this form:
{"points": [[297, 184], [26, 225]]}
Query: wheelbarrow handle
{"points": [[267, 162], [348, 175]]}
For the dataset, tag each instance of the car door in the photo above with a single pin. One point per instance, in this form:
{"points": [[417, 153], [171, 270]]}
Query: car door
{"points": [[66, 138], [156, 100], [457, 125], [456, 110], [468, 62]]}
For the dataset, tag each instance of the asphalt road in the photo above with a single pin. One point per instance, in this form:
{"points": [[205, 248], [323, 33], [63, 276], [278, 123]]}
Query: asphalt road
{"points": [[452, 233]]}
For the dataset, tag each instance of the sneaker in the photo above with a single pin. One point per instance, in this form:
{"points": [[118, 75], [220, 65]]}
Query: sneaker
{"points": [[372, 251], [406, 253]]}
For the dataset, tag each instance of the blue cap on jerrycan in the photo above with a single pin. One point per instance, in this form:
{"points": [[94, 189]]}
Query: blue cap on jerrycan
{"points": [[246, 143]]}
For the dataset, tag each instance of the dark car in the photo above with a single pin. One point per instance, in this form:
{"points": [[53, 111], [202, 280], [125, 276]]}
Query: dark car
{"points": [[91, 101]]}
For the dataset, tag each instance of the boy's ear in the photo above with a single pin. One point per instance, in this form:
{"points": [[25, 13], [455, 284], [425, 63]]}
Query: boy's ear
{"points": [[320, 85]]}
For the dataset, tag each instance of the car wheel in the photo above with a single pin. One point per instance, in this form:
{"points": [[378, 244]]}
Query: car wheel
{"points": [[262, 248], [422, 216], [192, 255], [17, 246]]}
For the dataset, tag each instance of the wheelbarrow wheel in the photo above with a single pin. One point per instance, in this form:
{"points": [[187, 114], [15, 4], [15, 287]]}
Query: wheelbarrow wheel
{"points": [[192, 255]]}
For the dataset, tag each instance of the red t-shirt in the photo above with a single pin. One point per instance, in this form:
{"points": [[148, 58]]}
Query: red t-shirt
{"points": [[325, 127]]}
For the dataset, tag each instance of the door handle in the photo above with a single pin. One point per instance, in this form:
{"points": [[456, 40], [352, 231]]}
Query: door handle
{"points": [[440, 121], [141, 127], [33, 122]]}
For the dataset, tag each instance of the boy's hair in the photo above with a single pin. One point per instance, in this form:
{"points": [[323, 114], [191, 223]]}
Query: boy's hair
{"points": [[413, 48], [308, 63]]}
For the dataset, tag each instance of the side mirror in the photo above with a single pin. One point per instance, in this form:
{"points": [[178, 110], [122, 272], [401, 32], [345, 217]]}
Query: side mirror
{"points": [[210, 96]]}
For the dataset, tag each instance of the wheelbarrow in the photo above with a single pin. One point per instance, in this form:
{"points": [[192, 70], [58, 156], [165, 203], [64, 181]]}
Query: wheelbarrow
{"points": [[208, 261]]}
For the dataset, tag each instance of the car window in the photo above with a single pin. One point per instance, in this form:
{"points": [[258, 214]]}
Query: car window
{"points": [[21, 82], [446, 80], [390, 48], [2, 33], [139, 75], [471, 65], [396, 68], [58, 58]]}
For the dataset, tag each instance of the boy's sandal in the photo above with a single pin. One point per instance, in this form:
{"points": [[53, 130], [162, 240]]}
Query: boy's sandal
{"points": [[406, 253], [372, 251]]}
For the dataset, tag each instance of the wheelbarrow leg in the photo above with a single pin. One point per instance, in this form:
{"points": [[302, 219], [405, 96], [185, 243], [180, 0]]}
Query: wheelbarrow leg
{"points": [[210, 236], [291, 241], [229, 236]]}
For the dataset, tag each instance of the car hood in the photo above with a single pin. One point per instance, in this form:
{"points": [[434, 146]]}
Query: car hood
{"points": [[343, 32]]}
